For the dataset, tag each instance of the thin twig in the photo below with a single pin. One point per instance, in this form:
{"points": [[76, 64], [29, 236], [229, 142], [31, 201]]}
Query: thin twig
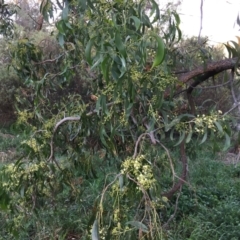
{"points": [[215, 86], [137, 143], [170, 159], [175, 211], [49, 60], [235, 105], [51, 157]]}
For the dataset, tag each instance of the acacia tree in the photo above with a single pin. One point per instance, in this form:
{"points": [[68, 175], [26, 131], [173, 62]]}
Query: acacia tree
{"points": [[130, 115]]}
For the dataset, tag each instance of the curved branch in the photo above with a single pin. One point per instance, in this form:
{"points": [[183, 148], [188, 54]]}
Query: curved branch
{"points": [[177, 186], [210, 69]]}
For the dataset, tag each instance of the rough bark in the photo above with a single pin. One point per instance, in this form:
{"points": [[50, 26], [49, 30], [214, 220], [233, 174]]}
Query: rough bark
{"points": [[203, 73], [209, 70]]}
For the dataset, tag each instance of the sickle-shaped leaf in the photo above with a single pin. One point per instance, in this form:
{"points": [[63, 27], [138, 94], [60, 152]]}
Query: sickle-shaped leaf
{"points": [[138, 225], [88, 50], [227, 142], [189, 136], [121, 182], [160, 54], [204, 137], [95, 231], [119, 44], [137, 22], [220, 129], [65, 11], [155, 9], [177, 18], [105, 65], [182, 136], [172, 134]]}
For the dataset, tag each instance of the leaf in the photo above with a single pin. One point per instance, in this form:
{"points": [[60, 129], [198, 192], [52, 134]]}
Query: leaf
{"points": [[45, 8], [172, 123], [137, 22], [61, 40], [182, 136], [61, 27], [227, 142], [155, 9], [220, 129], [189, 136], [177, 120], [177, 18], [22, 191], [95, 231], [119, 44], [96, 63], [138, 225], [105, 68], [4, 199], [91, 5], [88, 50], [101, 135], [160, 54], [120, 179], [179, 34], [204, 137], [65, 11], [98, 104], [232, 52], [124, 67], [146, 20], [172, 134]]}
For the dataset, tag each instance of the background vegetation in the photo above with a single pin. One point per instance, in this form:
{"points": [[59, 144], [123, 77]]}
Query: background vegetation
{"points": [[114, 126]]}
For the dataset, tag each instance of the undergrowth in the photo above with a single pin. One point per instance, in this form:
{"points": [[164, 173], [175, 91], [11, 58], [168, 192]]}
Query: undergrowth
{"points": [[208, 206]]}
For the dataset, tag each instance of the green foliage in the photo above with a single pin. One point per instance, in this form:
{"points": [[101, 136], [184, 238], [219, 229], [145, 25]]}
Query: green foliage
{"points": [[98, 156], [6, 25]]}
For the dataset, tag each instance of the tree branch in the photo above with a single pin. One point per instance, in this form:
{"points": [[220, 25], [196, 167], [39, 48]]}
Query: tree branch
{"points": [[210, 69]]}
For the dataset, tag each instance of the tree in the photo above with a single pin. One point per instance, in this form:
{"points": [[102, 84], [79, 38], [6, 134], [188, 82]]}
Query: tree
{"points": [[129, 114]]}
